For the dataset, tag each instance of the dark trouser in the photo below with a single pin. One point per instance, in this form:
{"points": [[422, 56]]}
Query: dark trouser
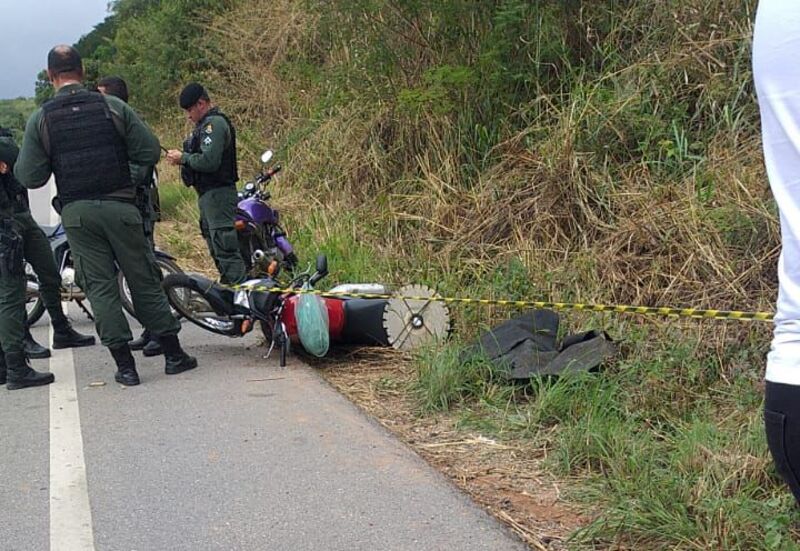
{"points": [[39, 255], [100, 232], [782, 423], [217, 210], [12, 313]]}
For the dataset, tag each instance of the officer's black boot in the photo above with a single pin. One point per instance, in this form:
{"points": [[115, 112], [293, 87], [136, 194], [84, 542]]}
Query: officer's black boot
{"points": [[152, 348], [138, 344], [22, 375], [147, 343], [177, 361], [33, 349], [64, 336], [126, 366]]}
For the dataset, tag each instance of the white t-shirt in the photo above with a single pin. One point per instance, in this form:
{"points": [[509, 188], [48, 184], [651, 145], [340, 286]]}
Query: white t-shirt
{"points": [[776, 71]]}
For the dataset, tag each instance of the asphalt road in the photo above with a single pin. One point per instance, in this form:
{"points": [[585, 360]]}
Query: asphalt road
{"points": [[237, 454]]}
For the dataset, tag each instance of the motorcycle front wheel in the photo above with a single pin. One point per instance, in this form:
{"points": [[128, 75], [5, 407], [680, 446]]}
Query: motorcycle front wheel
{"points": [[166, 266], [187, 301]]}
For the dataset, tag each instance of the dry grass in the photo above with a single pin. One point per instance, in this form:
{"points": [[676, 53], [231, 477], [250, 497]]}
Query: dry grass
{"points": [[633, 176]]}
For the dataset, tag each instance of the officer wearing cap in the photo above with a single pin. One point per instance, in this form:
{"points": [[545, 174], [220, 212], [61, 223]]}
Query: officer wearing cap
{"points": [[208, 163], [144, 178], [14, 366], [37, 252], [87, 140]]}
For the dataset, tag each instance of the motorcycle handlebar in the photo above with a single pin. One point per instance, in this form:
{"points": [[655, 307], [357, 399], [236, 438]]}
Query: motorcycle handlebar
{"points": [[266, 176]]}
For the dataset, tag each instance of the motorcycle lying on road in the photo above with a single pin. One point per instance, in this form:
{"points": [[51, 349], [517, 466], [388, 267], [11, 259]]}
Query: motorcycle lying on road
{"points": [[70, 291], [261, 237], [233, 312]]}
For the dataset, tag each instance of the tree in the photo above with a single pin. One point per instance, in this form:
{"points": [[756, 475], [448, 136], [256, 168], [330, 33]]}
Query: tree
{"points": [[44, 89]]}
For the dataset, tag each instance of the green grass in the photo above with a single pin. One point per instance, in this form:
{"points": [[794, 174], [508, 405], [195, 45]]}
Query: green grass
{"points": [[178, 202], [667, 448]]}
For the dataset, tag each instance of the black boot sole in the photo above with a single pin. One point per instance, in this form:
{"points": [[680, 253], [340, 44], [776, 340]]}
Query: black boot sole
{"points": [[74, 344], [125, 381], [12, 385]]}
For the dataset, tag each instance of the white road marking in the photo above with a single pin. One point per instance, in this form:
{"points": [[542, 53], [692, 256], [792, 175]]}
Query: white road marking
{"points": [[70, 512]]}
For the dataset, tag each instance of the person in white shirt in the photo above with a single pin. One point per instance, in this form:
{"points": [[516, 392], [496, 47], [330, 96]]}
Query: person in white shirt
{"points": [[776, 48]]}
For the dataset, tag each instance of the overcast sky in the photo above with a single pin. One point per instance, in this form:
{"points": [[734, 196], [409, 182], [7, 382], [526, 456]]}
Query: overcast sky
{"points": [[29, 28]]}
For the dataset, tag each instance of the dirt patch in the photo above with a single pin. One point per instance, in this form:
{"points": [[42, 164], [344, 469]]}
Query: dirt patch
{"points": [[504, 476]]}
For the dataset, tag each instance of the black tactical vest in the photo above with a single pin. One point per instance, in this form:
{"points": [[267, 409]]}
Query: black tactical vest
{"points": [[227, 173], [88, 154]]}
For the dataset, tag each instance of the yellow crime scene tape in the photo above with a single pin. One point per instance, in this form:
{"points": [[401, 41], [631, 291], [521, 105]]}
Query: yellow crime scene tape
{"points": [[577, 306]]}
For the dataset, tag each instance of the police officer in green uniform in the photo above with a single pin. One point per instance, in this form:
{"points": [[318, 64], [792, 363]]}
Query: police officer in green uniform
{"points": [[87, 140], [208, 163], [38, 254], [144, 178], [14, 366]]}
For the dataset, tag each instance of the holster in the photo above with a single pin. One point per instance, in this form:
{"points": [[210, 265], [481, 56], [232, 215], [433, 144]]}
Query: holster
{"points": [[141, 202], [11, 250]]}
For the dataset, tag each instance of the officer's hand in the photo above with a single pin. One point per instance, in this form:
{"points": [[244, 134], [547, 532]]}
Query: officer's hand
{"points": [[174, 156]]}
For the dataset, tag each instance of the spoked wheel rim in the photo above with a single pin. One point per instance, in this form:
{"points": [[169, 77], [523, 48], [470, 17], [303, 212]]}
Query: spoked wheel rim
{"points": [[166, 266], [193, 306]]}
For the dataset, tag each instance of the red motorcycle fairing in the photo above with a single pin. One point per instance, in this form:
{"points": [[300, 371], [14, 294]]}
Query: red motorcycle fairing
{"points": [[350, 320], [336, 317]]}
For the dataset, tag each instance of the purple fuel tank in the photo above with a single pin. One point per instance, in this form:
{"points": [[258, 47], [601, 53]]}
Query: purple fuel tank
{"points": [[258, 211]]}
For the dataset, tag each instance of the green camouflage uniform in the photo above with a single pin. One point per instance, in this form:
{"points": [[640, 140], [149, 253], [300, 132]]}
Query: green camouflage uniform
{"points": [[218, 204], [108, 229]]}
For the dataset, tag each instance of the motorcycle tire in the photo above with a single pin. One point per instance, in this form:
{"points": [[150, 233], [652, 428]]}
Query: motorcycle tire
{"points": [[167, 267], [184, 298], [34, 306]]}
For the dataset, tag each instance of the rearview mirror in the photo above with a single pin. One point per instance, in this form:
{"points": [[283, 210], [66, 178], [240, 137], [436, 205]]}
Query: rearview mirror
{"points": [[266, 156], [322, 269], [322, 264]]}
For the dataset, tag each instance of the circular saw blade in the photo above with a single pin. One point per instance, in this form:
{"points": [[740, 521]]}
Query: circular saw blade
{"points": [[413, 322]]}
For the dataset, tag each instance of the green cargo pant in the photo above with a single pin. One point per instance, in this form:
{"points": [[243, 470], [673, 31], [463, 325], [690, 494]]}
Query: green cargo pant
{"points": [[40, 256], [12, 310], [100, 232], [217, 210]]}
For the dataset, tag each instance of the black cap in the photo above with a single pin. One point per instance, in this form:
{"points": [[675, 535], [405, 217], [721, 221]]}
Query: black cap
{"points": [[191, 94]]}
